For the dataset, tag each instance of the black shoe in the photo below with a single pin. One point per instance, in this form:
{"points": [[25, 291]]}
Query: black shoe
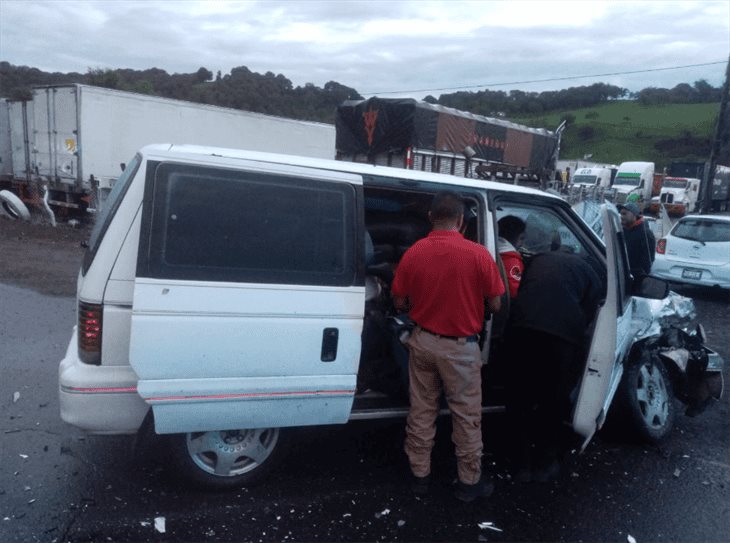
{"points": [[469, 493], [546, 474], [420, 485]]}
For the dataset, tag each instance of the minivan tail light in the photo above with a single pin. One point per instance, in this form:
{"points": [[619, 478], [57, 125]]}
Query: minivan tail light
{"points": [[89, 332], [661, 246]]}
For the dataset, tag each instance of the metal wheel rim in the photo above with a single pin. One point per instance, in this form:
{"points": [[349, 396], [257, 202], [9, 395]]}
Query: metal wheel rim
{"points": [[652, 395], [230, 453]]}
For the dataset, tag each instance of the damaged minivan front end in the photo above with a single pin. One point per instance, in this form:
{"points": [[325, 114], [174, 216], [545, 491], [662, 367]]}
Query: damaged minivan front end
{"points": [[669, 332]]}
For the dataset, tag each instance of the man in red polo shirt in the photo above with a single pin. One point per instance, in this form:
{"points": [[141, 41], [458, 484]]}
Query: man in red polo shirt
{"points": [[445, 280]]}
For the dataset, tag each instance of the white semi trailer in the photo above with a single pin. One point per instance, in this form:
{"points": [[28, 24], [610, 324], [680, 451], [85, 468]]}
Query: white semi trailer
{"points": [[73, 140]]}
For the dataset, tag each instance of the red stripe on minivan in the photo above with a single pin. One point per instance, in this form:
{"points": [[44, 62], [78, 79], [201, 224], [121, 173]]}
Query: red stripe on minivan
{"points": [[100, 390], [249, 395]]}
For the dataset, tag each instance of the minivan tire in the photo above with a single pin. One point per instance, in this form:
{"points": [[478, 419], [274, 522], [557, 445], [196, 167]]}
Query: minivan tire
{"points": [[645, 403], [218, 460]]}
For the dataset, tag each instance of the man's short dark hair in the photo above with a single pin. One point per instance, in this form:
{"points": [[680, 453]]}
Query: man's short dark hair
{"points": [[447, 205], [510, 228]]}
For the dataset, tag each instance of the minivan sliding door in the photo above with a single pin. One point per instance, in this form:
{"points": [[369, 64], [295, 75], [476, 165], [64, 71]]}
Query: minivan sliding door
{"points": [[249, 296]]}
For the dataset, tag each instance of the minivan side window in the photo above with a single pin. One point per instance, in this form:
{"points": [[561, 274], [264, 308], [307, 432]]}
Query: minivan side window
{"points": [[113, 200], [227, 225]]}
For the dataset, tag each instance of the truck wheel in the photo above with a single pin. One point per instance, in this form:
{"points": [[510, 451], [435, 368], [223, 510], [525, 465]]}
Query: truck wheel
{"points": [[227, 459], [13, 206], [645, 402]]}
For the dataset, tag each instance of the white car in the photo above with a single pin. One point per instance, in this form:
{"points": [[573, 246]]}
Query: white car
{"points": [[696, 251]]}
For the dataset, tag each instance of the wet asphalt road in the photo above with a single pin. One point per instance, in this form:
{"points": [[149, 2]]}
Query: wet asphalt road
{"points": [[344, 483]]}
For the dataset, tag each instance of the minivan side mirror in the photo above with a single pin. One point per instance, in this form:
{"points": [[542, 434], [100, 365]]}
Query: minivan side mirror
{"points": [[650, 287]]}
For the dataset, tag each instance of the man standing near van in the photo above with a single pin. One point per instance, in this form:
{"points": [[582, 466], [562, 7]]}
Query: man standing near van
{"points": [[445, 281], [640, 241]]}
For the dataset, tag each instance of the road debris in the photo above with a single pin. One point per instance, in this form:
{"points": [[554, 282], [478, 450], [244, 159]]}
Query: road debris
{"points": [[160, 524], [489, 526], [23, 456], [16, 396], [383, 513], [677, 472], [401, 523], [631, 539]]}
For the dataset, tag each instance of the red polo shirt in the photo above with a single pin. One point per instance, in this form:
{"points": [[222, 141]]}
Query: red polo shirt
{"points": [[446, 279]]}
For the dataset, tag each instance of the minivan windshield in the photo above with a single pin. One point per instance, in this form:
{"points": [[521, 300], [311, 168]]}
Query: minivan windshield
{"points": [[108, 210]]}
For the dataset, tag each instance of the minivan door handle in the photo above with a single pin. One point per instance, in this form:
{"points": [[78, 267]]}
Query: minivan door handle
{"points": [[330, 338]]}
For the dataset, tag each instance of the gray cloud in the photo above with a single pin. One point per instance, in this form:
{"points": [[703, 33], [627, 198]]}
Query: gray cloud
{"points": [[378, 46]]}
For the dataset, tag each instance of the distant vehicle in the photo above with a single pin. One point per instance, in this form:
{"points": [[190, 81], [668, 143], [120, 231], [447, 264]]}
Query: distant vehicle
{"points": [[679, 195], [720, 179], [594, 177], [696, 251], [634, 178], [76, 139], [406, 133]]}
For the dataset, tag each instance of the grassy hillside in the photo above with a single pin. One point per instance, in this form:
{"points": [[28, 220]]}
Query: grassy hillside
{"points": [[625, 130]]}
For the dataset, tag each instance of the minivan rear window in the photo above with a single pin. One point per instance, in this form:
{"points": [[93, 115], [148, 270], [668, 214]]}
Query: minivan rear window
{"points": [[108, 210], [226, 225], [705, 230]]}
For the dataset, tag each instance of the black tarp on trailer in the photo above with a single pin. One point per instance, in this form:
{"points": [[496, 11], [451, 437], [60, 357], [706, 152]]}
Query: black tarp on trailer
{"points": [[380, 125]]}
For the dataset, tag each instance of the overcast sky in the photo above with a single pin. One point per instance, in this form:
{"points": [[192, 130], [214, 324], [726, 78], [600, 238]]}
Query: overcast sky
{"points": [[380, 46]]}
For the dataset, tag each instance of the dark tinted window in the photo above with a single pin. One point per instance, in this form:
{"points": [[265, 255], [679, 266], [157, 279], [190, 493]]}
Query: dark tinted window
{"points": [[220, 225], [705, 230]]}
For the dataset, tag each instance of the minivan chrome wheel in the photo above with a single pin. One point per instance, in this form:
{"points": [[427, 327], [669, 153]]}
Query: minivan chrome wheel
{"points": [[652, 396], [228, 458], [644, 406], [231, 452]]}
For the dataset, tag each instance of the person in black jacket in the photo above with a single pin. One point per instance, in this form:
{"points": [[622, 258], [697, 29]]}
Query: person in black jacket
{"points": [[546, 345], [640, 241]]}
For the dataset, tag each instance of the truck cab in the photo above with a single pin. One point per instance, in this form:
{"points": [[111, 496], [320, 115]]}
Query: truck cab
{"points": [[679, 195], [592, 177], [634, 178]]}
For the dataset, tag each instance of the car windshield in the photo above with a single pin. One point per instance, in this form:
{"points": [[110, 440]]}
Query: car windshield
{"points": [[705, 230], [675, 184], [584, 179], [630, 179]]}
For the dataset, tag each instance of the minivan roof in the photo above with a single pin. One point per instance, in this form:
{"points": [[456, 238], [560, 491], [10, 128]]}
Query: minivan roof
{"points": [[190, 152]]}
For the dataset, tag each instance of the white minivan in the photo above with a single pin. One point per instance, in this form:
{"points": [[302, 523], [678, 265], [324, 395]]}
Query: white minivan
{"points": [[226, 296]]}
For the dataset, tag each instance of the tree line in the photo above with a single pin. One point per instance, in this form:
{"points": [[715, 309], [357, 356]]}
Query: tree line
{"points": [[274, 94]]}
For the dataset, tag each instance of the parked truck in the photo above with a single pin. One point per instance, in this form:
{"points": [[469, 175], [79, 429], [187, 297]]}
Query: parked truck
{"points": [[679, 195], [74, 139], [634, 180], [416, 135], [719, 192]]}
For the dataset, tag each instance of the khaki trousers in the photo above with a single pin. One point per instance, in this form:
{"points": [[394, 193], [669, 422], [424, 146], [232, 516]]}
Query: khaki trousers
{"points": [[434, 361]]}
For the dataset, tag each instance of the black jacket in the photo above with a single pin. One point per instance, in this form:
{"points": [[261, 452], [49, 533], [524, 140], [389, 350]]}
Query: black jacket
{"points": [[559, 294], [640, 246]]}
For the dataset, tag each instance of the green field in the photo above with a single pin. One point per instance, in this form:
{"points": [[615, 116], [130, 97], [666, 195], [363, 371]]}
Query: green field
{"points": [[620, 131]]}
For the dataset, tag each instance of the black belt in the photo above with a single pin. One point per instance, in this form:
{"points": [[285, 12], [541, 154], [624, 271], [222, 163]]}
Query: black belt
{"points": [[468, 339]]}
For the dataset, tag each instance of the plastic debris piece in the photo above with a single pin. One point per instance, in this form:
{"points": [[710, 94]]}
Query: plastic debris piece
{"points": [[144, 523], [383, 513], [31, 501], [677, 472], [23, 456], [489, 526], [16, 396], [631, 539], [160, 524], [347, 515], [401, 523]]}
